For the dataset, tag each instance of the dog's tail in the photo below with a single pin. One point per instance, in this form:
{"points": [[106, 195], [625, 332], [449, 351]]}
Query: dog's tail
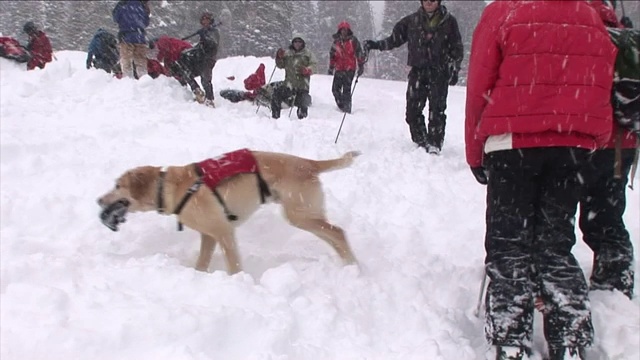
{"points": [[335, 164]]}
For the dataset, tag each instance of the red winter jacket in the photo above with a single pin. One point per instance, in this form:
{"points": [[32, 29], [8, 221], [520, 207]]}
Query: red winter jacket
{"points": [[610, 19], [540, 75], [169, 49], [40, 49], [155, 69], [345, 54]]}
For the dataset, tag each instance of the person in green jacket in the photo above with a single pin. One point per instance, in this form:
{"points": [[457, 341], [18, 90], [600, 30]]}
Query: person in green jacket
{"points": [[299, 64]]}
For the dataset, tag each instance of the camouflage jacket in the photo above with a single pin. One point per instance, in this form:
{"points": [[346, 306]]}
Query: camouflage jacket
{"points": [[293, 62]]}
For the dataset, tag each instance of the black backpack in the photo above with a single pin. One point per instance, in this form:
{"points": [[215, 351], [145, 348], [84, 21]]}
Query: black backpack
{"points": [[626, 83]]}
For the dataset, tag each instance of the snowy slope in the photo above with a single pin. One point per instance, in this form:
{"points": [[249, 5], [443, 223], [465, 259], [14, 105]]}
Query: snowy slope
{"points": [[72, 289]]}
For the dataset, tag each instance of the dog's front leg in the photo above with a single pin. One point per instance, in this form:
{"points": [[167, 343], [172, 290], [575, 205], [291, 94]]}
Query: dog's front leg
{"points": [[230, 250], [207, 246]]}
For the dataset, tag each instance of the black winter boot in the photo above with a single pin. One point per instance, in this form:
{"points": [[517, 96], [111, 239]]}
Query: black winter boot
{"points": [[566, 353]]}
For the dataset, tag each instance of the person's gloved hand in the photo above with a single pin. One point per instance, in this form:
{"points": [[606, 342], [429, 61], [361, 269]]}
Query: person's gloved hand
{"points": [[360, 70], [280, 53], [480, 174], [306, 71], [626, 22], [453, 79], [331, 71], [371, 45]]}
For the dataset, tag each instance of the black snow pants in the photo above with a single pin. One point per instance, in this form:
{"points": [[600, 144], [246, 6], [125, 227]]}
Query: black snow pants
{"points": [[341, 89], [532, 196], [302, 100], [601, 208], [429, 83]]}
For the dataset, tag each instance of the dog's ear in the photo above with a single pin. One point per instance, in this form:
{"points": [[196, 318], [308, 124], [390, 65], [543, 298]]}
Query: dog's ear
{"points": [[141, 181]]}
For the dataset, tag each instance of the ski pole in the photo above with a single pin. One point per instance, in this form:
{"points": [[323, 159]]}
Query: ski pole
{"points": [[481, 295], [268, 82], [345, 114]]}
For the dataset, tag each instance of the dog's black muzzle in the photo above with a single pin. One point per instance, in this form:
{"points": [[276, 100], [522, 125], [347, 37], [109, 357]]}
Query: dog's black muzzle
{"points": [[114, 214]]}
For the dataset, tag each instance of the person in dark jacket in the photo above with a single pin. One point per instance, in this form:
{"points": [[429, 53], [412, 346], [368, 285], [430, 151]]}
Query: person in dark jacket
{"points": [[345, 57], [200, 60], [299, 64], [132, 17], [536, 107], [39, 46], [103, 51], [435, 54], [604, 200]]}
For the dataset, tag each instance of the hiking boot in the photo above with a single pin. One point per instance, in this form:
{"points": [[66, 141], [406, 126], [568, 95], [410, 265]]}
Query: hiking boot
{"points": [[302, 113], [199, 95], [433, 150], [508, 353], [210, 103], [566, 353], [275, 114], [346, 108]]}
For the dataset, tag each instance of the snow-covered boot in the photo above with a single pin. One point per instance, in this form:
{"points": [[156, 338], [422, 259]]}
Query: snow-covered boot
{"points": [[566, 353], [507, 353], [199, 95]]}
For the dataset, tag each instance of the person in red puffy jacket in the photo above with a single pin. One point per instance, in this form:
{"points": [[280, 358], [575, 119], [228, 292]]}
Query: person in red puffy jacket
{"points": [[604, 200], [536, 106], [345, 57], [168, 50], [39, 46]]}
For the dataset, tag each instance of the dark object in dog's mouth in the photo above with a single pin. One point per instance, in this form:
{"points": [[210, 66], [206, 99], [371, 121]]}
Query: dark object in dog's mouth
{"points": [[114, 214]]}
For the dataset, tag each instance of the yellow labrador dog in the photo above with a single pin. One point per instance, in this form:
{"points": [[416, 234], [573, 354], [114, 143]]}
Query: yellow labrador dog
{"points": [[216, 195]]}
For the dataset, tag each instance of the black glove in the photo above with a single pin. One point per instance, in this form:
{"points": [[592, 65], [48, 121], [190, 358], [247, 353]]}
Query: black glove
{"points": [[626, 22], [480, 174], [331, 71], [360, 70], [453, 79], [371, 45]]}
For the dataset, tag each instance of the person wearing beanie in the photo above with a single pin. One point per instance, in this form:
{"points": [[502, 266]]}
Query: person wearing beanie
{"points": [[39, 46], [435, 54], [299, 64]]}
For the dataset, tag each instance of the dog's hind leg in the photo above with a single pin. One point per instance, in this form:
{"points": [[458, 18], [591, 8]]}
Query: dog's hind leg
{"points": [[230, 250], [207, 246], [332, 234]]}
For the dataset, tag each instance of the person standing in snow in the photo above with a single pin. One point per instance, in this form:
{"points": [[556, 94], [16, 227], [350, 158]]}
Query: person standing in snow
{"points": [[103, 51], [345, 57], [39, 46], [299, 64], [203, 59], [604, 201], [535, 108], [132, 17], [435, 54]]}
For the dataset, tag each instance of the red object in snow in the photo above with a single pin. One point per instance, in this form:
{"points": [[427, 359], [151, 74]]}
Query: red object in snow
{"points": [[256, 80]]}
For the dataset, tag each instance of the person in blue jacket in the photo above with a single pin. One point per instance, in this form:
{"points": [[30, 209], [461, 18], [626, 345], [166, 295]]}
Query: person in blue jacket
{"points": [[132, 17], [103, 51]]}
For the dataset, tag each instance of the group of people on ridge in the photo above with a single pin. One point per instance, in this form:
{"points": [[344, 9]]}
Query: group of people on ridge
{"points": [[539, 133]]}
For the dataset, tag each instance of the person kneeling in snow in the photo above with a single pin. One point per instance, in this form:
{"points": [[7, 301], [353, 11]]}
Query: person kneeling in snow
{"points": [[11, 49], [298, 63], [39, 46]]}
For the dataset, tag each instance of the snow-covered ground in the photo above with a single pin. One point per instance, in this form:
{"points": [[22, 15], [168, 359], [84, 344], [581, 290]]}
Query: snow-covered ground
{"points": [[72, 289]]}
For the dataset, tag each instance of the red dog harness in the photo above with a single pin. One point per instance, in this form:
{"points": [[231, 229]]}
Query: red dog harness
{"points": [[212, 172]]}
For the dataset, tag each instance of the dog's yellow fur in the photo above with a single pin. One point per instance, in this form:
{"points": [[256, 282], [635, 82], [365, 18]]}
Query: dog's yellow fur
{"points": [[293, 182]]}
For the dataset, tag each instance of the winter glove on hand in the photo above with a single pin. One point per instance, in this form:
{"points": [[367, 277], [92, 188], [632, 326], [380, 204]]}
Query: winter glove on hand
{"points": [[280, 53], [626, 22], [454, 77], [331, 71], [360, 70], [480, 174], [306, 71], [371, 45]]}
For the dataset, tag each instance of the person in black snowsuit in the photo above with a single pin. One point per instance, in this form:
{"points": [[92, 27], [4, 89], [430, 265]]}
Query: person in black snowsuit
{"points": [[200, 60], [103, 51], [435, 55]]}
